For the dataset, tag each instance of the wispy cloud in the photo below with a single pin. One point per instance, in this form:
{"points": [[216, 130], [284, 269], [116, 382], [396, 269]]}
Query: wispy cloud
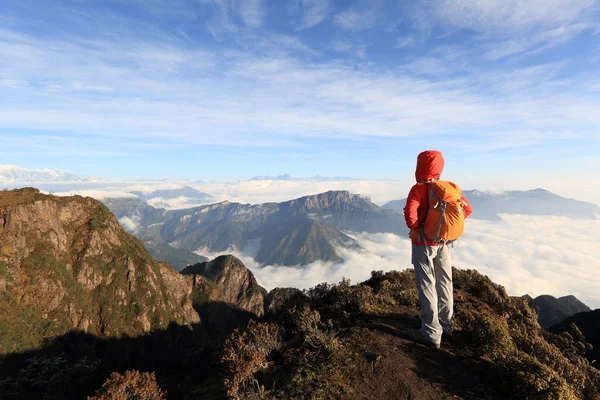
{"points": [[171, 92], [514, 27], [350, 47], [252, 12], [313, 13], [513, 15], [406, 41], [472, 76], [355, 20]]}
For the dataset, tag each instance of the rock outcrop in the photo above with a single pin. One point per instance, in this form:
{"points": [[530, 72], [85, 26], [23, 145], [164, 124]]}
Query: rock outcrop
{"points": [[66, 263], [233, 284]]}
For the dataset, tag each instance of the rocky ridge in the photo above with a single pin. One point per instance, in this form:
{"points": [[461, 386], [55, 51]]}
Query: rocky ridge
{"points": [[66, 263], [233, 283], [296, 232], [330, 342]]}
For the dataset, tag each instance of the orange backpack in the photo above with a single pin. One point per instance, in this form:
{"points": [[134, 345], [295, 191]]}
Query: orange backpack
{"points": [[446, 218]]}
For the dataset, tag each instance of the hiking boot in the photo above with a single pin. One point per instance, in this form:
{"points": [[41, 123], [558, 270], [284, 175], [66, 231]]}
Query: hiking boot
{"points": [[416, 336]]}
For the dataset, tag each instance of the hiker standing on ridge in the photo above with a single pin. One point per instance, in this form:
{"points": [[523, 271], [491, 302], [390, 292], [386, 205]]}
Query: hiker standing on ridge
{"points": [[435, 212]]}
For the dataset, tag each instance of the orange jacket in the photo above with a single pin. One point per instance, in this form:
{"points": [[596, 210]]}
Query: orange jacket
{"points": [[430, 165]]}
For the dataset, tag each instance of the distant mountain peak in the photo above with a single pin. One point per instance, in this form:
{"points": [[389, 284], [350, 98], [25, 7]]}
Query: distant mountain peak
{"points": [[17, 174], [553, 310], [288, 177], [296, 232]]}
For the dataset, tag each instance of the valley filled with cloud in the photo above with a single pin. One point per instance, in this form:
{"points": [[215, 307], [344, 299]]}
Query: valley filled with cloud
{"points": [[526, 254]]}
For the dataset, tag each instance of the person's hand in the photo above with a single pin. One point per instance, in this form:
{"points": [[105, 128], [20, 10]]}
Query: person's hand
{"points": [[414, 234]]}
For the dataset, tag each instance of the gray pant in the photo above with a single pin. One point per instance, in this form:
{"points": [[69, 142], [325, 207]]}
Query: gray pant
{"points": [[433, 273]]}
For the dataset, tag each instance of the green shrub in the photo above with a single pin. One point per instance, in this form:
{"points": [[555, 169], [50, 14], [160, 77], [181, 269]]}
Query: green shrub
{"points": [[49, 377], [133, 385], [246, 353]]}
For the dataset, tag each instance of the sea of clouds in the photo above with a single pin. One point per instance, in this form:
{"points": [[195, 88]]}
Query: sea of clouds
{"points": [[525, 254], [253, 192]]}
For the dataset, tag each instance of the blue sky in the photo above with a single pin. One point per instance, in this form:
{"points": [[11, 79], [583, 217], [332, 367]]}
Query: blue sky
{"points": [[227, 89]]}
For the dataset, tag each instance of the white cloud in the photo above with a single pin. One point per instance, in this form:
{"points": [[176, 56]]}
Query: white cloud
{"points": [[355, 20], [535, 255], [252, 12], [350, 47], [527, 255], [266, 97], [131, 225], [176, 203], [98, 194], [513, 15], [511, 27], [257, 192], [407, 41], [314, 11]]}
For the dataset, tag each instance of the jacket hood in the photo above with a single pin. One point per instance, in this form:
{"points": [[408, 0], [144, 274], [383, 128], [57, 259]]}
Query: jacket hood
{"points": [[430, 165]]}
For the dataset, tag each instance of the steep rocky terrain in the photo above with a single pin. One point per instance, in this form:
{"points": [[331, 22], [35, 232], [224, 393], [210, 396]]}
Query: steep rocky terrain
{"points": [[65, 263], [143, 221], [68, 331], [233, 283], [295, 232]]}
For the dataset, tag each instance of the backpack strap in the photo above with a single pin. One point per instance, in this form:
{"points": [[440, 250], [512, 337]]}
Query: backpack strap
{"points": [[442, 205]]}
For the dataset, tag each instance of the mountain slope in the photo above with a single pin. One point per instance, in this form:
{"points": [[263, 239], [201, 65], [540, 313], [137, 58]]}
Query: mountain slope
{"points": [[143, 221], [489, 206], [65, 263], [583, 327], [295, 232], [308, 241], [552, 311], [351, 342], [330, 342]]}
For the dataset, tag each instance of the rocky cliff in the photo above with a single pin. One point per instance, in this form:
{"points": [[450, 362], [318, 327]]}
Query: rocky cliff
{"points": [[230, 281], [65, 263]]}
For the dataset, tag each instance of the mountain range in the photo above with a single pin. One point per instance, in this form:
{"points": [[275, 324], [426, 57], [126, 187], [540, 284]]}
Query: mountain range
{"points": [[13, 173], [295, 232], [86, 312], [489, 206]]}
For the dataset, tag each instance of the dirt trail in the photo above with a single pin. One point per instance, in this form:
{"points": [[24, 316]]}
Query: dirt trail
{"points": [[395, 368]]}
